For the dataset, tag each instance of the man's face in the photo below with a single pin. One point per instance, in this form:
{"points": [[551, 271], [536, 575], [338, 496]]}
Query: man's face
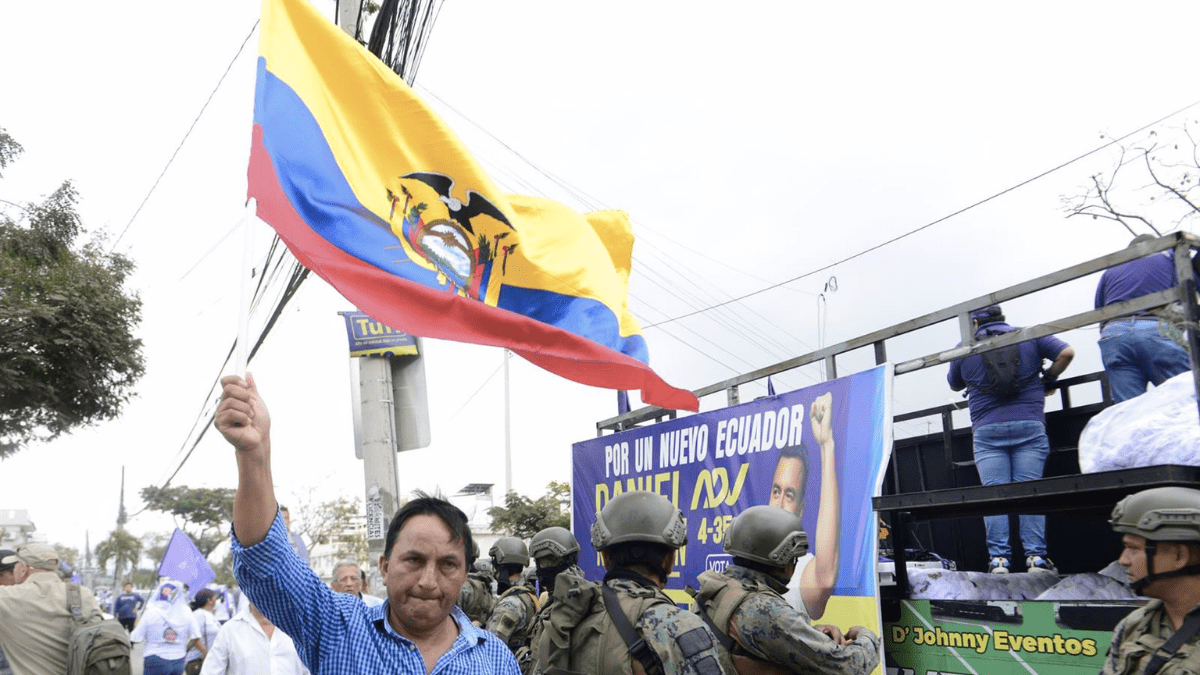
{"points": [[128, 588], [287, 518], [786, 488], [346, 580], [423, 575], [1133, 556]]}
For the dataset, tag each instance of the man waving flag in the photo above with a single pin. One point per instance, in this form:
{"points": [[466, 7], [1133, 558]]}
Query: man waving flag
{"points": [[374, 193]]}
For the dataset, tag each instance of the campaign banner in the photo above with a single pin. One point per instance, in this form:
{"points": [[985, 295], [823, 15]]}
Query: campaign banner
{"points": [[1001, 637], [369, 337], [818, 451]]}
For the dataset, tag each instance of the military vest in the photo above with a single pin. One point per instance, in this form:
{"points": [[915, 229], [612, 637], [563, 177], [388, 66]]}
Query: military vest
{"points": [[1139, 641], [579, 637], [476, 599], [717, 600], [506, 627]]}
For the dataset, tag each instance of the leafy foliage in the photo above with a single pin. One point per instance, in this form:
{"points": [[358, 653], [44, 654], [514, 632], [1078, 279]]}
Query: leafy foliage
{"points": [[203, 513], [122, 548], [524, 517], [68, 356], [331, 523], [67, 554]]}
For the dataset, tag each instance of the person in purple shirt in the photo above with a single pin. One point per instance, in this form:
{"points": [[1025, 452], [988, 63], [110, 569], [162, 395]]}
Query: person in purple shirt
{"points": [[1133, 348], [1009, 434]]}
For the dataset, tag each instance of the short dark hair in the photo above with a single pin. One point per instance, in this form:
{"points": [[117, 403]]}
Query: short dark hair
{"points": [[799, 452], [647, 554], [424, 505]]}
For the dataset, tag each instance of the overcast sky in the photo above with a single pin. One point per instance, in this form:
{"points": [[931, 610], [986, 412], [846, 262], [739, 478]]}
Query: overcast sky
{"points": [[750, 144]]}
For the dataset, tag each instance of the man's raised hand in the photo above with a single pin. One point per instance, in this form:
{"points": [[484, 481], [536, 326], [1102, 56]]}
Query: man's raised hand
{"points": [[242, 416], [821, 415]]}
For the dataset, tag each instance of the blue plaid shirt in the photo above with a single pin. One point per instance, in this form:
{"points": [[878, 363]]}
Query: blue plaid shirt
{"points": [[335, 633]]}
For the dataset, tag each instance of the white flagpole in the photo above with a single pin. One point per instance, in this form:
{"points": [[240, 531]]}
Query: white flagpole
{"points": [[242, 351]]}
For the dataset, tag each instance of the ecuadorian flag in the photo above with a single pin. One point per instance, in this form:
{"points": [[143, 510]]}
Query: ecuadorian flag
{"points": [[374, 193]]}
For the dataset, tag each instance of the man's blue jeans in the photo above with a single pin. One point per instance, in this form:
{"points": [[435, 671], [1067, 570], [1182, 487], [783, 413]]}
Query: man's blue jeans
{"points": [[1136, 352], [1009, 452]]}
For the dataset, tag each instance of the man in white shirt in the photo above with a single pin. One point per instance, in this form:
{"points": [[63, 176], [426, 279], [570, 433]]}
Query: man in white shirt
{"points": [[249, 644], [348, 578]]}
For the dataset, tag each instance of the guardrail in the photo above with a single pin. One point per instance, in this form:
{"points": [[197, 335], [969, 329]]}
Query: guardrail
{"points": [[1181, 243]]}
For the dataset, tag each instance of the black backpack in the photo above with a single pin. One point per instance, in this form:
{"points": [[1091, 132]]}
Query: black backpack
{"points": [[98, 646], [1002, 370]]}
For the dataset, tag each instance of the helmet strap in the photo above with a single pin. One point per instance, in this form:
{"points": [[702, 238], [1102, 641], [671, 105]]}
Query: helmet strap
{"points": [[1151, 549]]}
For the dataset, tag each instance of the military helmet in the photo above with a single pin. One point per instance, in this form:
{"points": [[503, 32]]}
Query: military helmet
{"points": [[509, 551], [484, 566], [767, 534], [556, 542], [474, 551], [639, 516], [1160, 514]]}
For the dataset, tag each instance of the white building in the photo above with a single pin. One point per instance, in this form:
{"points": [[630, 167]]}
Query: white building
{"points": [[15, 528]]}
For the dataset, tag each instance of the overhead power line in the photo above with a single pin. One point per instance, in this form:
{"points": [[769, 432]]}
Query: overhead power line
{"points": [[184, 139], [927, 225]]}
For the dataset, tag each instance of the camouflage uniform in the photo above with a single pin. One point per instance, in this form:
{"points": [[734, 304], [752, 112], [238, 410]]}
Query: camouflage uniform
{"points": [[1137, 637], [579, 636], [527, 660], [512, 616], [476, 598], [767, 628]]}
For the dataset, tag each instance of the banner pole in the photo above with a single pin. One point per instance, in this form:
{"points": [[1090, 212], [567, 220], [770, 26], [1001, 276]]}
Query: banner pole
{"points": [[242, 352]]}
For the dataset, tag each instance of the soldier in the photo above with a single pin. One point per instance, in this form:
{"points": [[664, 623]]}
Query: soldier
{"points": [[476, 598], [627, 624], [512, 616], [1161, 529], [745, 606], [554, 550]]}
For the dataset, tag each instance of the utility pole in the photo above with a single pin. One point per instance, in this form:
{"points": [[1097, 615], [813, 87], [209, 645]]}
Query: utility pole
{"points": [[381, 481], [508, 483]]}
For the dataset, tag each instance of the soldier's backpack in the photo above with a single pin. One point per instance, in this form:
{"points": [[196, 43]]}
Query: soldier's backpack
{"points": [[716, 601], [576, 638], [96, 646], [476, 599], [1002, 369]]}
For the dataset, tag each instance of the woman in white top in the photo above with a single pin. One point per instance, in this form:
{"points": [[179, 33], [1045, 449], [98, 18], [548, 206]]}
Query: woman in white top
{"points": [[202, 610], [168, 629]]}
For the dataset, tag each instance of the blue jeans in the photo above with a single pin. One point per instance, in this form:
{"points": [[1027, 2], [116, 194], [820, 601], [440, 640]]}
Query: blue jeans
{"points": [[1135, 352], [1009, 452], [156, 665]]}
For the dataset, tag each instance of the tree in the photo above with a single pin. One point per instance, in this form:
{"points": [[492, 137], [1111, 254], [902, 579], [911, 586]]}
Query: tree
{"points": [[523, 517], [332, 523], [120, 547], [68, 357], [68, 555], [154, 545], [203, 513], [1152, 189]]}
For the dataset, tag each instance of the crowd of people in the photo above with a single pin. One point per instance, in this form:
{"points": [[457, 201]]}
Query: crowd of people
{"points": [[448, 609]]}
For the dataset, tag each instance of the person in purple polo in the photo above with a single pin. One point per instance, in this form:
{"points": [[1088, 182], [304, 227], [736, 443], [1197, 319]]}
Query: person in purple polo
{"points": [[1133, 348], [1009, 431]]}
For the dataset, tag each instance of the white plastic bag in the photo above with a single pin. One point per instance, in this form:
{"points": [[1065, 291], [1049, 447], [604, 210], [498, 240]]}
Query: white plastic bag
{"points": [[1161, 426]]}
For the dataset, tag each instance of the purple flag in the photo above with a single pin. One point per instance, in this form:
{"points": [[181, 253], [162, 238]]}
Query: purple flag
{"points": [[184, 562], [770, 386]]}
